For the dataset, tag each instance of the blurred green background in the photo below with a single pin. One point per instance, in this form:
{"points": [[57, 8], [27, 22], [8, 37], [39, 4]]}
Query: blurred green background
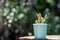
{"points": [[19, 15]]}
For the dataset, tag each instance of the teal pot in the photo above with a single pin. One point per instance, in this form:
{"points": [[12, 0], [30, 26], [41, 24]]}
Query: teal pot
{"points": [[40, 30]]}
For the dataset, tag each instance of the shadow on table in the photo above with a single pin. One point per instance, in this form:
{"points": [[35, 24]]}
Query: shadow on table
{"points": [[40, 39]]}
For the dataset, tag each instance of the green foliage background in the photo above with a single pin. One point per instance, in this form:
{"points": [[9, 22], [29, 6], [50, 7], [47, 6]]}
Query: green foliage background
{"points": [[23, 25]]}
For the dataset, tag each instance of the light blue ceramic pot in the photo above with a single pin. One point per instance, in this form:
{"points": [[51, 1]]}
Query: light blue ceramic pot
{"points": [[40, 30]]}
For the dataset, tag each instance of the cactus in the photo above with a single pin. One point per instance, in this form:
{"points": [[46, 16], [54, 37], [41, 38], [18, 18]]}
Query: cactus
{"points": [[41, 19]]}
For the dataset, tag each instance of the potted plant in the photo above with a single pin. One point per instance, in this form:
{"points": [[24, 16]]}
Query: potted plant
{"points": [[40, 27]]}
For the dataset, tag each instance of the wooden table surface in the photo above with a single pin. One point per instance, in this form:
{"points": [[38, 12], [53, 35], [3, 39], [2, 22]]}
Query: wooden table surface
{"points": [[48, 37]]}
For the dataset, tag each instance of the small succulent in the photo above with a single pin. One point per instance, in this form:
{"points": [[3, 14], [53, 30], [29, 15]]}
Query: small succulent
{"points": [[41, 19]]}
